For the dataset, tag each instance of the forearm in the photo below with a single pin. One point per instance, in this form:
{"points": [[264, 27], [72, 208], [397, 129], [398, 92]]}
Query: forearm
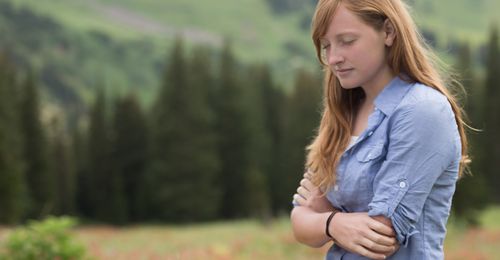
{"points": [[309, 226], [309, 222]]}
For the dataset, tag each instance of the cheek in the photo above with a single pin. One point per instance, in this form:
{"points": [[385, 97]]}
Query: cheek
{"points": [[369, 58]]}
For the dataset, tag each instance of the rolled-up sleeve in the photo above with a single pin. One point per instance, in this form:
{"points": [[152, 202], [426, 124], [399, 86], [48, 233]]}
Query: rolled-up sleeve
{"points": [[421, 147]]}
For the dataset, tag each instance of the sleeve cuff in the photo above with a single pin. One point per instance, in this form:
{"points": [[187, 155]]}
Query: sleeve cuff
{"points": [[391, 208], [404, 229]]}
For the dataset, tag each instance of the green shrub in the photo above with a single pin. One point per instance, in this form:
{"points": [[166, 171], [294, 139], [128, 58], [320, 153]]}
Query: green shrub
{"points": [[43, 240]]}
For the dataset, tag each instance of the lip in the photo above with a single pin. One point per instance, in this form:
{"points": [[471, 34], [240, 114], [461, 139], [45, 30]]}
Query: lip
{"points": [[343, 72]]}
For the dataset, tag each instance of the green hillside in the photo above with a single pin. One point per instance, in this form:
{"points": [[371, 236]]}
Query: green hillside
{"points": [[71, 64], [468, 20], [121, 44], [251, 23], [257, 33]]}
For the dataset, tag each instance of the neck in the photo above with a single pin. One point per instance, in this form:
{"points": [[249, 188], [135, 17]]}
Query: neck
{"points": [[376, 85]]}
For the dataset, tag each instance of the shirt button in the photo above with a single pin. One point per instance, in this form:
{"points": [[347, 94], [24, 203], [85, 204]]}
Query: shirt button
{"points": [[402, 184], [336, 187]]}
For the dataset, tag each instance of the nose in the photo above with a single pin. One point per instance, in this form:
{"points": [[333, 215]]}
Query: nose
{"points": [[334, 57]]}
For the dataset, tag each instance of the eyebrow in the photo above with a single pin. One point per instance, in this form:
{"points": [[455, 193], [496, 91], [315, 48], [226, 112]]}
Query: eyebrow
{"points": [[340, 35]]}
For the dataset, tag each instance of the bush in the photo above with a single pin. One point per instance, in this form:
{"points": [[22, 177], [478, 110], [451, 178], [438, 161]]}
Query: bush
{"points": [[39, 240]]}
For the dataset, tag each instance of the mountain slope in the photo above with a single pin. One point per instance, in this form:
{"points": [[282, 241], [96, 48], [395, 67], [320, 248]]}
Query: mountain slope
{"points": [[71, 64], [251, 23], [78, 45]]}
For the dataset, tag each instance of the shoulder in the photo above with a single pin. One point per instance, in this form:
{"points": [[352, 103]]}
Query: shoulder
{"points": [[424, 114], [425, 103], [420, 93], [425, 118]]}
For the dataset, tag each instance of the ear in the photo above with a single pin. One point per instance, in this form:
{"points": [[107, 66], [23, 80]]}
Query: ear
{"points": [[390, 33]]}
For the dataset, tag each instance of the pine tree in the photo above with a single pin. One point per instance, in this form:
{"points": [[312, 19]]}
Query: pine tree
{"points": [[79, 140], [491, 141], [302, 118], [183, 150], [40, 180], [468, 200], [13, 195], [273, 110], [63, 169], [130, 152], [204, 139], [233, 131], [258, 92], [106, 186], [98, 154]]}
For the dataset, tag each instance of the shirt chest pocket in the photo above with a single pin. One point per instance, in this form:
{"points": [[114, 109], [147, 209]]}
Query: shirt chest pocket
{"points": [[368, 161], [370, 153], [356, 185]]}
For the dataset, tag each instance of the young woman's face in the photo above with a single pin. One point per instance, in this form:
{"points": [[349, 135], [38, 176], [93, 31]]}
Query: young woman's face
{"points": [[355, 51]]}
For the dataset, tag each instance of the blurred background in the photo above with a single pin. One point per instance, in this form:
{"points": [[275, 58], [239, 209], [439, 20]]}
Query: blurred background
{"points": [[176, 129]]}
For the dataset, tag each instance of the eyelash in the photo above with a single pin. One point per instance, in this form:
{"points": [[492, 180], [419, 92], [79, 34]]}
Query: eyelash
{"points": [[344, 43], [349, 42]]}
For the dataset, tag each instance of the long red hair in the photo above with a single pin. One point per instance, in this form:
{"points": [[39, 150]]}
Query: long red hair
{"points": [[409, 55]]}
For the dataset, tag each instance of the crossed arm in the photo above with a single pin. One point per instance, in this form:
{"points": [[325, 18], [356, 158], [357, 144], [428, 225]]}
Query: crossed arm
{"points": [[424, 143], [359, 233]]}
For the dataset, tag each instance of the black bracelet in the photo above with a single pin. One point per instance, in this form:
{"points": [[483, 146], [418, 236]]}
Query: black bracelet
{"points": [[327, 231]]}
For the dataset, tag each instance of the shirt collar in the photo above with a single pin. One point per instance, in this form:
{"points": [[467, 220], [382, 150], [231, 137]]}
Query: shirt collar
{"points": [[390, 97]]}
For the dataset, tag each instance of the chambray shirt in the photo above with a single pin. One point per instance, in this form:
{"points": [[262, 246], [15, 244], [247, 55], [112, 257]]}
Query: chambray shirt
{"points": [[404, 166]]}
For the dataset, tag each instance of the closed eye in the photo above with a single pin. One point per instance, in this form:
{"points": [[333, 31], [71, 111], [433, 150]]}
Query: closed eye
{"points": [[347, 42]]}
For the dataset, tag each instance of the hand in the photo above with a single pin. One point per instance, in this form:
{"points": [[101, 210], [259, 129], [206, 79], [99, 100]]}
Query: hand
{"points": [[363, 235], [310, 196], [388, 223]]}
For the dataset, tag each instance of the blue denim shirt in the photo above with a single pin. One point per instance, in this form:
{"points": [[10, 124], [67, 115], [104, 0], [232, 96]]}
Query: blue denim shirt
{"points": [[404, 166]]}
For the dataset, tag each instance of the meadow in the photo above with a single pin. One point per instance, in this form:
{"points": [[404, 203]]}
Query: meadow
{"points": [[250, 239]]}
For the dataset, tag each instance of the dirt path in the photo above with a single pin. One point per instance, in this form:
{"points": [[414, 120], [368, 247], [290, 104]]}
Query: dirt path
{"points": [[135, 21]]}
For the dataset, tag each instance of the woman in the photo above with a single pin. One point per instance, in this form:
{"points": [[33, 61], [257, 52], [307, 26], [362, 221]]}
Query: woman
{"points": [[391, 143]]}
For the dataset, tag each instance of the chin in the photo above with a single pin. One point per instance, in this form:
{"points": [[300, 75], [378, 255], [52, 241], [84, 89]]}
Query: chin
{"points": [[348, 85]]}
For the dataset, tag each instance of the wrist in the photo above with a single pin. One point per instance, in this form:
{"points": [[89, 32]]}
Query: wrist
{"points": [[328, 224]]}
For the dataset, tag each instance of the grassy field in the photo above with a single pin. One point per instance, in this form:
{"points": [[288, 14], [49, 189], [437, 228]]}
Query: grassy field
{"points": [[250, 239], [253, 240], [237, 240]]}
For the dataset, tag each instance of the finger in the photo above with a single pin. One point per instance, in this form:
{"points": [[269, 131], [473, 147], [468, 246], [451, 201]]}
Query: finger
{"points": [[303, 192], [376, 247], [299, 199], [381, 228], [384, 220], [307, 184], [308, 174], [302, 184], [365, 252], [381, 239]]}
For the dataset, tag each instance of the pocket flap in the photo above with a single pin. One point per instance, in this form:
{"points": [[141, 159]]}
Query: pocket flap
{"points": [[369, 153]]}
